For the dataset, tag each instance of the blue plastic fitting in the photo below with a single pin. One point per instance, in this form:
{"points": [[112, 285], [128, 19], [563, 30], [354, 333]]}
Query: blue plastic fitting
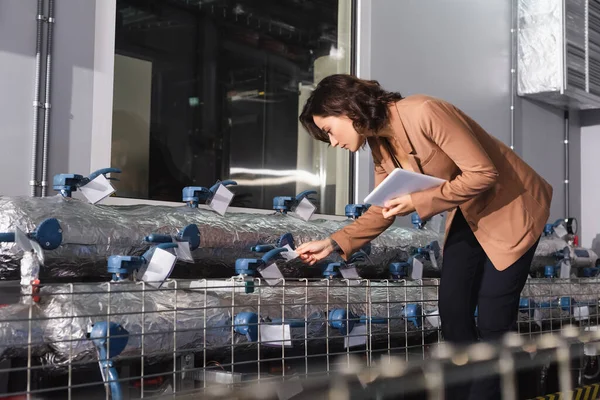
{"points": [[332, 270], [549, 228], [551, 271], [48, 234], [400, 270], [246, 323], [122, 267], [285, 204], [66, 184], [433, 246], [100, 335], [417, 222], [190, 234], [194, 195], [293, 323], [249, 266], [344, 321], [564, 303], [353, 211], [412, 313], [526, 305]]}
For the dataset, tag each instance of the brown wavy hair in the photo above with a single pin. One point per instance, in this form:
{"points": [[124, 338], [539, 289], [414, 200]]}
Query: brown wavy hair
{"points": [[363, 101]]}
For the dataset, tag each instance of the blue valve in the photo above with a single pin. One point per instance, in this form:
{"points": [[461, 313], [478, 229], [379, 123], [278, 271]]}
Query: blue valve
{"points": [[246, 323], [564, 303], [591, 272], [190, 234], [124, 267], [400, 270], [332, 270], [66, 184], [433, 246], [285, 239], [249, 266], [48, 235], [549, 228], [527, 305], [412, 312], [285, 204], [194, 195], [344, 321], [353, 211], [551, 271], [100, 335], [417, 222]]}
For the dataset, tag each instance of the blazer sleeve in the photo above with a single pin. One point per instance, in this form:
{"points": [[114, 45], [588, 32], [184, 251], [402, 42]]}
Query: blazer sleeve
{"points": [[444, 126], [366, 227]]}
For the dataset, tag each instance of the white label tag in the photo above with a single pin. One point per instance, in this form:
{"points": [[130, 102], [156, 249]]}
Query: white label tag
{"points": [[581, 313], [271, 274], [417, 269], [22, 241], [357, 337], [159, 268], [349, 273], [289, 254], [434, 263], [560, 231], [433, 318], [39, 252], [183, 252], [275, 335], [305, 209], [221, 200], [537, 317], [565, 269], [290, 388], [97, 190], [436, 223]]}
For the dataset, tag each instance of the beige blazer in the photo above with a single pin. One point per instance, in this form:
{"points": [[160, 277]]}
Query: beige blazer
{"points": [[505, 202]]}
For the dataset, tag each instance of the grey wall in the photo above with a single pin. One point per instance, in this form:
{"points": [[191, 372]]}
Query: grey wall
{"points": [[72, 89], [460, 51]]}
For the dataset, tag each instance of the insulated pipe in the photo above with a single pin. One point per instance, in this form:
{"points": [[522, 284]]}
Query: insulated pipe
{"points": [[566, 142], [47, 105], [36, 96]]}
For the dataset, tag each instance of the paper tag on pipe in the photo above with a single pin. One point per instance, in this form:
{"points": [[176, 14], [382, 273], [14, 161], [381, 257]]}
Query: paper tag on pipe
{"points": [[275, 335], [22, 241], [159, 268], [289, 254], [183, 251], [356, 337], [581, 313], [565, 269], [537, 317], [349, 273], [560, 231], [434, 263], [433, 318], [305, 209], [271, 274], [97, 189], [39, 252], [221, 200], [417, 269], [436, 223]]}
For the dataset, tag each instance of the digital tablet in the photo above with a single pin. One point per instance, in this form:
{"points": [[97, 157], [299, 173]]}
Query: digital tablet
{"points": [[398, 183]]}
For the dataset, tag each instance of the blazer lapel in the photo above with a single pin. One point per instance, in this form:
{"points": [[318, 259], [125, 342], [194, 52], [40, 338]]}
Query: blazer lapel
{"points": [[402, 139]]}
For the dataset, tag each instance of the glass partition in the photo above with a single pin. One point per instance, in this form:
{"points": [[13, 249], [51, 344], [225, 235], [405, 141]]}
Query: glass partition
{"points": [[208, 90]]}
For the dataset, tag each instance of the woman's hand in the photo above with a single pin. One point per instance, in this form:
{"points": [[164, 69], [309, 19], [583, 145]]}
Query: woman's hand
{"points": [[399, 206], [311, 252]]}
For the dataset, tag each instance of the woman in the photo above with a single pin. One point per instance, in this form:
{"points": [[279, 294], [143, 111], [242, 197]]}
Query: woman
{"points": [[497, 204]]}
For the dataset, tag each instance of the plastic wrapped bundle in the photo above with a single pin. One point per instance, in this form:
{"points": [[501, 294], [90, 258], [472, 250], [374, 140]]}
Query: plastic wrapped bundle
{"points": [[203, 315], [91, 233]]}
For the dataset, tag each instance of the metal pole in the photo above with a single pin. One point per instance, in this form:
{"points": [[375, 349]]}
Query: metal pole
{"points": [[36, 96], [47, 105], [566, 143]]}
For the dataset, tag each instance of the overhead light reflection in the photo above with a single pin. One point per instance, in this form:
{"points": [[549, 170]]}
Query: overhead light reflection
{"points": [[281, 176]]}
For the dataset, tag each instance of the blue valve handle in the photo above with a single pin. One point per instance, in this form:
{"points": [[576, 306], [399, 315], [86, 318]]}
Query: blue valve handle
{"points": [[272, 254], [194, 195], [7, 237], [190, 234], [332, 270], [304, 194], [48, 234], [344, 321], [355, 210], [262, 248], [417, 222], [286, 203], [102, 171], [119, 337], [293, 323], [287, 239], [246, 323]]}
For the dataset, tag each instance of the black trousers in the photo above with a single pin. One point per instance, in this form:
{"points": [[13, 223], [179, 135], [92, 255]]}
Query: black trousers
{"points": [[470, 280]]}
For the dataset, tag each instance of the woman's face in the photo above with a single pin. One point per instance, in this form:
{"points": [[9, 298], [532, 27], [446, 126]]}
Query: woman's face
{"points": [[341, 132]]}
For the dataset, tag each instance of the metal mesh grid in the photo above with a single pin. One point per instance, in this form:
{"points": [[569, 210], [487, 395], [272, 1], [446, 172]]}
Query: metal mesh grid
{"points": [[189, 335]]}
